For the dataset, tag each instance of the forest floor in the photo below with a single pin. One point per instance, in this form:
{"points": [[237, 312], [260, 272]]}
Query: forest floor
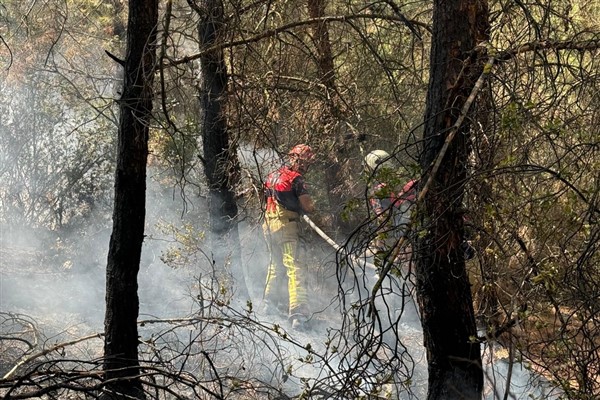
{"points": [[47, 297]]}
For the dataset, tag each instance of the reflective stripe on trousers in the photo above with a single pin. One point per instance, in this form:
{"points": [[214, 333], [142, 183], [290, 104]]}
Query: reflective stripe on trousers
{"points": [[283, 244]]}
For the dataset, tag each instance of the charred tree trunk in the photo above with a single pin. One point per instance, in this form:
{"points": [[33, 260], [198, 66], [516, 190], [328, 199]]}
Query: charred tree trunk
{"points": [[331, 111], [316, 9], [219, 156], [121, 364], [449, 328]]}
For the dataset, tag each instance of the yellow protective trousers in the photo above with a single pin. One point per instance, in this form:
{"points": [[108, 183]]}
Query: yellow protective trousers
{"points": [[281, 232]]}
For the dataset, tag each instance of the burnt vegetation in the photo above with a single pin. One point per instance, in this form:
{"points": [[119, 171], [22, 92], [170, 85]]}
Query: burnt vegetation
{"points": [[504, 141]]}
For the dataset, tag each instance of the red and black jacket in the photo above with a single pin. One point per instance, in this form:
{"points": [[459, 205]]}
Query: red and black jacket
{"points": [[283, 187], [382, 200]]}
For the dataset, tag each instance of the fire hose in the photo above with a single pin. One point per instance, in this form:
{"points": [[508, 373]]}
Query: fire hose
{"points": [[355, 259], [333, 244]]}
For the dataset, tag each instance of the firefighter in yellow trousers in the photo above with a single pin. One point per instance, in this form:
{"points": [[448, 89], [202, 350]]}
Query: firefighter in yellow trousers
{"points": [[287, 199]]}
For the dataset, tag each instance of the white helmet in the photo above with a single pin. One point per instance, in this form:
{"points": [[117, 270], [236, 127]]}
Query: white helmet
{"points": [[379, 159]]}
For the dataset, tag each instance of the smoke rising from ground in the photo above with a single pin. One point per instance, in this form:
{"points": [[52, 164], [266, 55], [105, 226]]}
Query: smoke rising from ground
{"points": [[60, 282]]}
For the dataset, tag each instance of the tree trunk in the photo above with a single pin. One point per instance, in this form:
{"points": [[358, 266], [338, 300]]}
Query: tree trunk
{"points": [[331, 111], [316, 9], [454, 358], [220, 159], [121, 364]]}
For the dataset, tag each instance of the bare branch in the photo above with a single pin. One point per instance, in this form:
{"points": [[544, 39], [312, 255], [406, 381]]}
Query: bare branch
{"points": [[582, 45], [276, 31]]}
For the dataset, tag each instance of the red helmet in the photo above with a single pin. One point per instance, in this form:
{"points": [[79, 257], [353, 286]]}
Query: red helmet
{"points": [[302, 152]]}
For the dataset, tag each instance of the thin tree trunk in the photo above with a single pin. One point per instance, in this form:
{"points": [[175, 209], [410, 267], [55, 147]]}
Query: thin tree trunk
{"points": [[454, 358], [316, 9], [121, 364], [220, 159], [331, 111]]}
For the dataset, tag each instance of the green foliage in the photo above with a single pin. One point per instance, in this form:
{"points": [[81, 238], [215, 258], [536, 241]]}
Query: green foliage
{"points": [[57, 123], [531, 201], [186, 247], [532, 189]]}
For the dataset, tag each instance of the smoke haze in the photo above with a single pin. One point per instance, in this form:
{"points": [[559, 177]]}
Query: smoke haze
{"points": [[60, 283]]}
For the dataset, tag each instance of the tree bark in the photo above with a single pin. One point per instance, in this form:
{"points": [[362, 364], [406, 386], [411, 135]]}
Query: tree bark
{"points": [[316, 9], [219, 156], [121, 363], [331, 112], [449, 328]]}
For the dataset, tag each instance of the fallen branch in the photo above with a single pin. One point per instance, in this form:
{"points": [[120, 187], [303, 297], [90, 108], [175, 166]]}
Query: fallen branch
{"points": [[42, 353]]}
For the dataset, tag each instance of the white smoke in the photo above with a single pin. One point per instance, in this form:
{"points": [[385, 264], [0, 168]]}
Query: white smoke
{"points": [[61, 284]]}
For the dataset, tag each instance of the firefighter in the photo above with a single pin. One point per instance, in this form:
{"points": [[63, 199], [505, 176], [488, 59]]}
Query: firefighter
{"points": [[392, 200], [287, 199], [392, 207]]}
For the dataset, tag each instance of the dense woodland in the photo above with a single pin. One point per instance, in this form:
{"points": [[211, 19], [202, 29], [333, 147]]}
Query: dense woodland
{"points": [[112, 111]]}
